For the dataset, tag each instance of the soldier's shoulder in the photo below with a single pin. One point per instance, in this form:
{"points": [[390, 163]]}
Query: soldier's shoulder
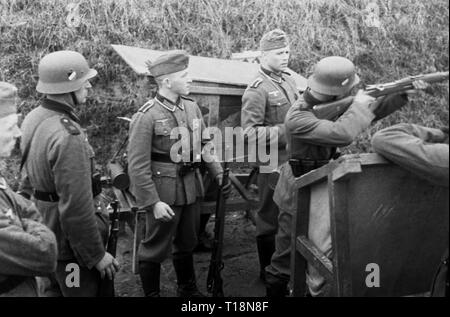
{"points": [[69, 125], [147, 106], [256, 83], [190, 104]]}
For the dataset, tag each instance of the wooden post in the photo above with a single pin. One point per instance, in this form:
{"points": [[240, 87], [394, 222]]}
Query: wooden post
{"points": [[337, 190], [300, 226]]}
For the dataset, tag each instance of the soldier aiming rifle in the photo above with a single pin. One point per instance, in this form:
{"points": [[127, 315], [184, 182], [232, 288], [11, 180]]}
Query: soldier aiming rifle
{"points": [[334, 109]]}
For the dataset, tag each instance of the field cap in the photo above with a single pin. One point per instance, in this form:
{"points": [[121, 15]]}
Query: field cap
{"points": [[273, 40], [169, 63]]}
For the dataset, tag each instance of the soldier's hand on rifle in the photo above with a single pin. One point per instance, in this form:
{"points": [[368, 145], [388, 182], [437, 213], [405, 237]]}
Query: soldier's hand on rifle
{"points": [[163, 212], [385, 105], [419, 85], [226, 190], [108, 266], [364, 99]]}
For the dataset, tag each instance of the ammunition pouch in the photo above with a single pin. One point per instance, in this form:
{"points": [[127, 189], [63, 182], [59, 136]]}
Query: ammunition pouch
{"points": [[186, 168]]}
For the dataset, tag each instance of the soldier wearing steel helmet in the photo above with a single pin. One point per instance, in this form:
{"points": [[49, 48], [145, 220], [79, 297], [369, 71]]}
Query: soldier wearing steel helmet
{"points": [[58, 164], [264, 106], [313, 142]]}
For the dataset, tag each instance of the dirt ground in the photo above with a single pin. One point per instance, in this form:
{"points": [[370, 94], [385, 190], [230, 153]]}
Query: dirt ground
{"points": [[241, 267]]}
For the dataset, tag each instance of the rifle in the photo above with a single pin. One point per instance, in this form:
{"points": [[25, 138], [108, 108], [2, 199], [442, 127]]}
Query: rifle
{"points": [[214, 283], [106, 288], [334, 109]]}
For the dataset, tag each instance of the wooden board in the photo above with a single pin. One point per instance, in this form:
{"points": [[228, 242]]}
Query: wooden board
{"points": [[201, 69]]}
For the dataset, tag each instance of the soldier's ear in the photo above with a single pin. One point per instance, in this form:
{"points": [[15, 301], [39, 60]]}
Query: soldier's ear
{"points": [[167, 82]]}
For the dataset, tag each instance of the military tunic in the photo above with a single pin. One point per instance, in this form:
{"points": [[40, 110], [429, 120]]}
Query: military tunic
{"points": [[418, 149], [154, 180], [264, 106], [27, 247], [60, 161]]}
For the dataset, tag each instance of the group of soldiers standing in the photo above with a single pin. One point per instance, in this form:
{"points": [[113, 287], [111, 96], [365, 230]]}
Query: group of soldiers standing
{"points": [[58, 165]]}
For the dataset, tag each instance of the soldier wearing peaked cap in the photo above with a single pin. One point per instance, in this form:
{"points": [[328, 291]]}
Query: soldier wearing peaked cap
{"points": [[168, 189], [312, 143], [264, 106], [27, 247], [58, 163]]}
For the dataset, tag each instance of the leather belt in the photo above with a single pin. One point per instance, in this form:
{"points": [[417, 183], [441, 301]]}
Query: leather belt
{"points": [[44, 196], [300, 167], [11, 283], [160, 157]]}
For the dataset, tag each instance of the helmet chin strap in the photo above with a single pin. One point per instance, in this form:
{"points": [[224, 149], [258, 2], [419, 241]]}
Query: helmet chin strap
{"points": [[74, 98]]}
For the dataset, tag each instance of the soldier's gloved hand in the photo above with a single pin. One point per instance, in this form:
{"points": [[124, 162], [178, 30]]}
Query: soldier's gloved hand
{"points": [[163, 212], [226, 190], [108, 266], [384, 106]]}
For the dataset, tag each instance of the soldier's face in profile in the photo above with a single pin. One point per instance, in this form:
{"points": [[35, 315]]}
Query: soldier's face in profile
{"points": [[180, 83], [9, 133], [277, 60], [83, 92]]}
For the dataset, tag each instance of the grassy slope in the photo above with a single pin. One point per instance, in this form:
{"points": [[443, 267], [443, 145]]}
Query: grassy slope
{"points": [[413, 38]]}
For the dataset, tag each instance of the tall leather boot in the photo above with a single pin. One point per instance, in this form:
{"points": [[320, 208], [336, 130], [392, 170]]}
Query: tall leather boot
{"points": [[276, 287], [266, 248], [184, 268], [150, 277]]}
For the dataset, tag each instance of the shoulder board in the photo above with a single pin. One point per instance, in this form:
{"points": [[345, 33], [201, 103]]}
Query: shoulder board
{"points": [[146, 106], [69, 126], [183, 97], [256, 82]]}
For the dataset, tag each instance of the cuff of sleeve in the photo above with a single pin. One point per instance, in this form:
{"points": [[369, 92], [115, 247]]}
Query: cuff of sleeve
{"points": [[85, 257]]}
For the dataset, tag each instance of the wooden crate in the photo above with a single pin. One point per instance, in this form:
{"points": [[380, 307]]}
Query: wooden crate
{"points": [[378, 213]]}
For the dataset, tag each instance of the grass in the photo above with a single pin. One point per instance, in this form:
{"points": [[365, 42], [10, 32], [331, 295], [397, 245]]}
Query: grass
{"points": [[412, 38]]}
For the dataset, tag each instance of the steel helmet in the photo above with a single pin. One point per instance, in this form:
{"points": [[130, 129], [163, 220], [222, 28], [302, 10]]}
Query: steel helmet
{"points": [[63, 72], [333, 76]]}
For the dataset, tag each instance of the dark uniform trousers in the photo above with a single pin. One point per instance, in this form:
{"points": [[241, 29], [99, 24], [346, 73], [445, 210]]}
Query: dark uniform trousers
{"points": [[181, 232]]}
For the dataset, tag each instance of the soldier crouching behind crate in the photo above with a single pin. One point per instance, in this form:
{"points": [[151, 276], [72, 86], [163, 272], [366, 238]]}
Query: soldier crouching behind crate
{"points": [[27, 247], [312, 143], [167, 190], [425, 152]]}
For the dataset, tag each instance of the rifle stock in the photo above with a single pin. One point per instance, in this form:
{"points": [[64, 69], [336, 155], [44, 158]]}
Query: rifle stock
{"points": [[214, 282], [332, 110], [106, 288]]}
